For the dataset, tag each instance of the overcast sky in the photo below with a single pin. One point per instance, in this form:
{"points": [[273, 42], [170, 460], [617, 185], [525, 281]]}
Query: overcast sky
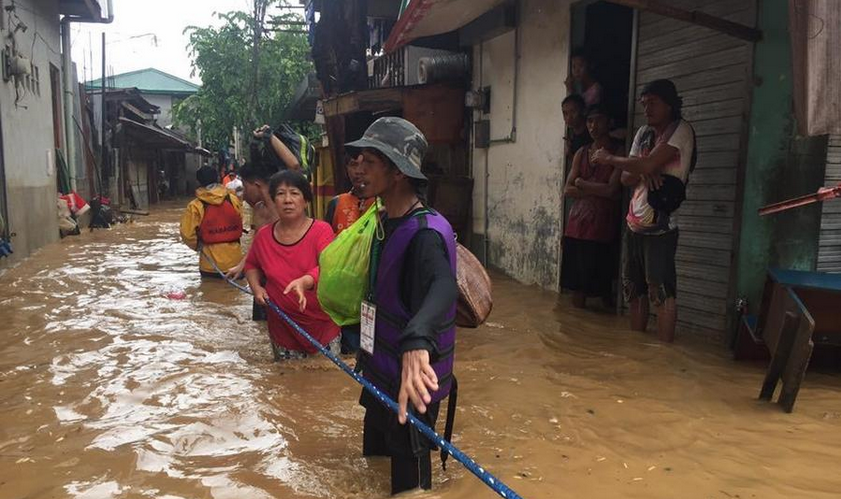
{"points": [[145, 34]]}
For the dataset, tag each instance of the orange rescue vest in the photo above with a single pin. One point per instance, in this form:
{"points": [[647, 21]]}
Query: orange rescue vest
{"points": [[221, 223], [348, 210]]}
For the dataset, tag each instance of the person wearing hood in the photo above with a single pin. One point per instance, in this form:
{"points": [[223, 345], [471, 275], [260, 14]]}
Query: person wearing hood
{"points": [[212, 224]]}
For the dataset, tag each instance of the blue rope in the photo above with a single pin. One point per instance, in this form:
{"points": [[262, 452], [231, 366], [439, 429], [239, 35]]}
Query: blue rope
{"points": [[490, 480]]}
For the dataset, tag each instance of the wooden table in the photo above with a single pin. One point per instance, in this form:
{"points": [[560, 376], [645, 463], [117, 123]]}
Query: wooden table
{"points": [[799, 309]]}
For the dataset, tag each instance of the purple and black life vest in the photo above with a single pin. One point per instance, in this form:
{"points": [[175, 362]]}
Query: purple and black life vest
{"points": [[383, 368]]}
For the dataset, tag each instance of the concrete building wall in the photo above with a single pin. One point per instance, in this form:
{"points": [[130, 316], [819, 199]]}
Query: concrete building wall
{"points": [[780, 165], [26, 119], [525, 174], [165, 103]]}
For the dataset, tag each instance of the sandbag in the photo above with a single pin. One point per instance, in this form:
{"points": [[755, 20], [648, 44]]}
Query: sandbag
{"points": [[474, 290]]}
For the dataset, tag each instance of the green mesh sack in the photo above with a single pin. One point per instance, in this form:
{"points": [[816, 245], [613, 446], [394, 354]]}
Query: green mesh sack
{"points": [[343, 276]]}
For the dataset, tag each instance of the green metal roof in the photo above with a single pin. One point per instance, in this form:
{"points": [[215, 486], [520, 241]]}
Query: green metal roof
{"points": [[148, 81]]}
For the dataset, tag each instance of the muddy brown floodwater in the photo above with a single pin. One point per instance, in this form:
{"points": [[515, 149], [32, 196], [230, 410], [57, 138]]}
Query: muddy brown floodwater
{"points": [[108, 389]]}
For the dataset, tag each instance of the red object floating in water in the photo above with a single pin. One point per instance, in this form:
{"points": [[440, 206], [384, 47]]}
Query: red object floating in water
{"points": [[176, 295]]}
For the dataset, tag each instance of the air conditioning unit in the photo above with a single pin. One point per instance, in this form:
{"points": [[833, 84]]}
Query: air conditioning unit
{"points": [[400, 68]]}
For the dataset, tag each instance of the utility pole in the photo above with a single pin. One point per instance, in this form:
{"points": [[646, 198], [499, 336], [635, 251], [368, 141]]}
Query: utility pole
{"points": [[103, 156], [260, 8]]}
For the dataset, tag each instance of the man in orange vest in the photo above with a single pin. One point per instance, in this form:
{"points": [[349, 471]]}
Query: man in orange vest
{"points": [[212, 224], [342, 211]]}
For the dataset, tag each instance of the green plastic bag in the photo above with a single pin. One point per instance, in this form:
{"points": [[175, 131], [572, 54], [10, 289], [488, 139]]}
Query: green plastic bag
{"points": [[343, 277]]}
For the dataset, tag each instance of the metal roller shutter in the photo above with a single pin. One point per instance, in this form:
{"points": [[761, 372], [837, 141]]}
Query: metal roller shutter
{"points": [[712, 72], [829, 249]]}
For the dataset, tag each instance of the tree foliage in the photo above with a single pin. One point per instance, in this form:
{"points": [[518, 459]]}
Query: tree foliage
{"points": [[235, 91]]}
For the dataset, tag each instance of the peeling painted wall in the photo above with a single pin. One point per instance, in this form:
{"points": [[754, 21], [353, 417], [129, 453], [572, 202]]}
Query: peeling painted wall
{"points": [[27, 128], [524, 176]]}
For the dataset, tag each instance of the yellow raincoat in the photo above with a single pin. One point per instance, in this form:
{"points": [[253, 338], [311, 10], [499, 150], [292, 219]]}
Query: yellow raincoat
{"points": [[226, 255]]}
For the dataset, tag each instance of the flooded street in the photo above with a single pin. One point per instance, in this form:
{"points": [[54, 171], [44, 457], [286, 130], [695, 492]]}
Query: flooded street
{"points": [[110, 389]]}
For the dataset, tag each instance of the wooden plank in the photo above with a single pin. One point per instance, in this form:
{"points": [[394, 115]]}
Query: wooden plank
{"points": [[699, 302], [687, 78], [716, 143], [714, 93], [713, 176], [831, 238], [717, 159], [380, 99], [702, 287], [679, 50], [715, 7], [701, 324], [705, 256], [721, 225], [710, 240], [729, 126], [711, 273], [698, 65], [663, 41], [692, 207], [706, 111], [710, 192], [653, 24], [714, 110]]}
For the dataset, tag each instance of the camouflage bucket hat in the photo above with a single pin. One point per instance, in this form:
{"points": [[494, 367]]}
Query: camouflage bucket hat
{"points": [[400, 141]]}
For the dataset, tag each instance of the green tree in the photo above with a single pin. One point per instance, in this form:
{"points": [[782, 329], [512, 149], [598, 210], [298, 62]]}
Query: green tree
{"points": [[249, 70]]}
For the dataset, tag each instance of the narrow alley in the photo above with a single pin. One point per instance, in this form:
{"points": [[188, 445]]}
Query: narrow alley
{"points": [[112, 389]]}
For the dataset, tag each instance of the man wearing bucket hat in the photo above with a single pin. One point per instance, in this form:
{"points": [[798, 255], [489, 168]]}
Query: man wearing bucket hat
{"points": [[661, 159], [408, 320]]}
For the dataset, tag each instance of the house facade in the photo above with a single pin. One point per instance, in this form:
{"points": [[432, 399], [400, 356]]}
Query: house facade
{"points": [[732, 61], [37, 83], [156, 87]]}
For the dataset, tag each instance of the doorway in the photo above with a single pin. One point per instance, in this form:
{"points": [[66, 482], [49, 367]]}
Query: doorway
{"points": [[603, 33]]}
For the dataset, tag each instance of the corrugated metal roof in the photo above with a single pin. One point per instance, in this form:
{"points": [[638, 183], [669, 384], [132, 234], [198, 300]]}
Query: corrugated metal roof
{"points": [[148, 81]]}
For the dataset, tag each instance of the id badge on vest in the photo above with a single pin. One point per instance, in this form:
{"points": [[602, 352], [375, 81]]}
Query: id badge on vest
{"points": [[367, 327]]}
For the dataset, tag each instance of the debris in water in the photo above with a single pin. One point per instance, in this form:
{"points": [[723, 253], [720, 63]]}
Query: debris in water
{"points": [[625, 465], [591, 411], [651, 468], [600, 458], [554, 420], [619, 401], [637, 479], [176, 294]]}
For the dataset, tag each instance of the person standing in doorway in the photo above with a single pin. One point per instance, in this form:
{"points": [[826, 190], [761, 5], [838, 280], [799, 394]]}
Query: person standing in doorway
{"points": [[581, 81], [589, 255], [342, 211], [575, 118], [661, 159], [408, 322]]}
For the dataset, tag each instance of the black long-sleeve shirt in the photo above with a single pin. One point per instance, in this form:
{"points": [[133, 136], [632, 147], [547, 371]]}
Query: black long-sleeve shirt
{"points": [[428, 287]]}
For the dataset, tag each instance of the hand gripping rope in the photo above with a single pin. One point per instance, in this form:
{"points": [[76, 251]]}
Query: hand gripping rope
{"points": [[490, 480]]}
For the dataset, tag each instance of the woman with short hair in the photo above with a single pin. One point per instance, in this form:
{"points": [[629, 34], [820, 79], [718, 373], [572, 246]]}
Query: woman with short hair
{"points": [[285, 254]]}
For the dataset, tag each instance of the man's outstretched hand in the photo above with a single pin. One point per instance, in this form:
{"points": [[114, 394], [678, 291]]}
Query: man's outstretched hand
{"points": [[418, 380]]}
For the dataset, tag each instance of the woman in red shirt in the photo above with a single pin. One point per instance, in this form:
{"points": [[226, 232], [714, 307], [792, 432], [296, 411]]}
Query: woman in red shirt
{"points": [[285, 253]]}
